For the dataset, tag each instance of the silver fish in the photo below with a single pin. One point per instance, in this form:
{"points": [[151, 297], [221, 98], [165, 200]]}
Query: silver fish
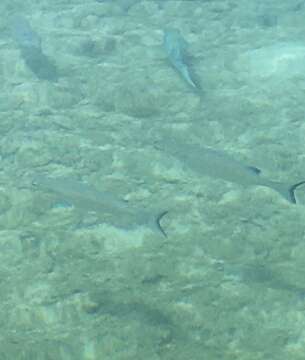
{"points": [[175, 47], [122, 214], [220, 165]]}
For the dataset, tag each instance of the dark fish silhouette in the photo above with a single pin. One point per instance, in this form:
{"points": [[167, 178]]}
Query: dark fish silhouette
{"points": [[29, 44]]}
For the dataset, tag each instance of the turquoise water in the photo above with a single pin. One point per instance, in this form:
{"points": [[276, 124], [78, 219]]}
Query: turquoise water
{"points": [[93, 99]]}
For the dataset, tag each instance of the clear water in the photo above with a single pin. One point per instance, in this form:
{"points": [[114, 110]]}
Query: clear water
{"points": [[90, 95]]}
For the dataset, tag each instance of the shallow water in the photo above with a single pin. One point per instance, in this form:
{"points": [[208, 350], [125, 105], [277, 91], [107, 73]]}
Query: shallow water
{"points": [[234, 256], [282, 60]]}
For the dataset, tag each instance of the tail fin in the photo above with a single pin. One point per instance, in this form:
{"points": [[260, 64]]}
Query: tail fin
{"points": [[292, 191], [288, 192], [157, 225]]}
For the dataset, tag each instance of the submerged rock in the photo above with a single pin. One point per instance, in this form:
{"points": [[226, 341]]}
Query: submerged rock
{"points": [[284, 60]]}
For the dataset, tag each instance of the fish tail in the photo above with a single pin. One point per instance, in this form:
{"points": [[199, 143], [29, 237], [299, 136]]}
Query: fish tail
{"points": [[157, 223], [288, 192], [187, 76], [292, 190]]}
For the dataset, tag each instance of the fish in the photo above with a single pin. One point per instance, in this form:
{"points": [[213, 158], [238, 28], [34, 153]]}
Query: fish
{"points": [[41, 65], [175, 47], [217, 164], [122, 213], [23, 34], [29, 43]]}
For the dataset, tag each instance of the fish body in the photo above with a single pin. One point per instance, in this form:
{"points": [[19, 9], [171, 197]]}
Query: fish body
{"points": [[40, 64], [29, 43], [175, 47], [220, 165], [85, 197]]}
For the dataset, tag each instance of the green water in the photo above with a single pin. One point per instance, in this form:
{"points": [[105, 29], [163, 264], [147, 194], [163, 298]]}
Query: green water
{"points": [[88, 94]]}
